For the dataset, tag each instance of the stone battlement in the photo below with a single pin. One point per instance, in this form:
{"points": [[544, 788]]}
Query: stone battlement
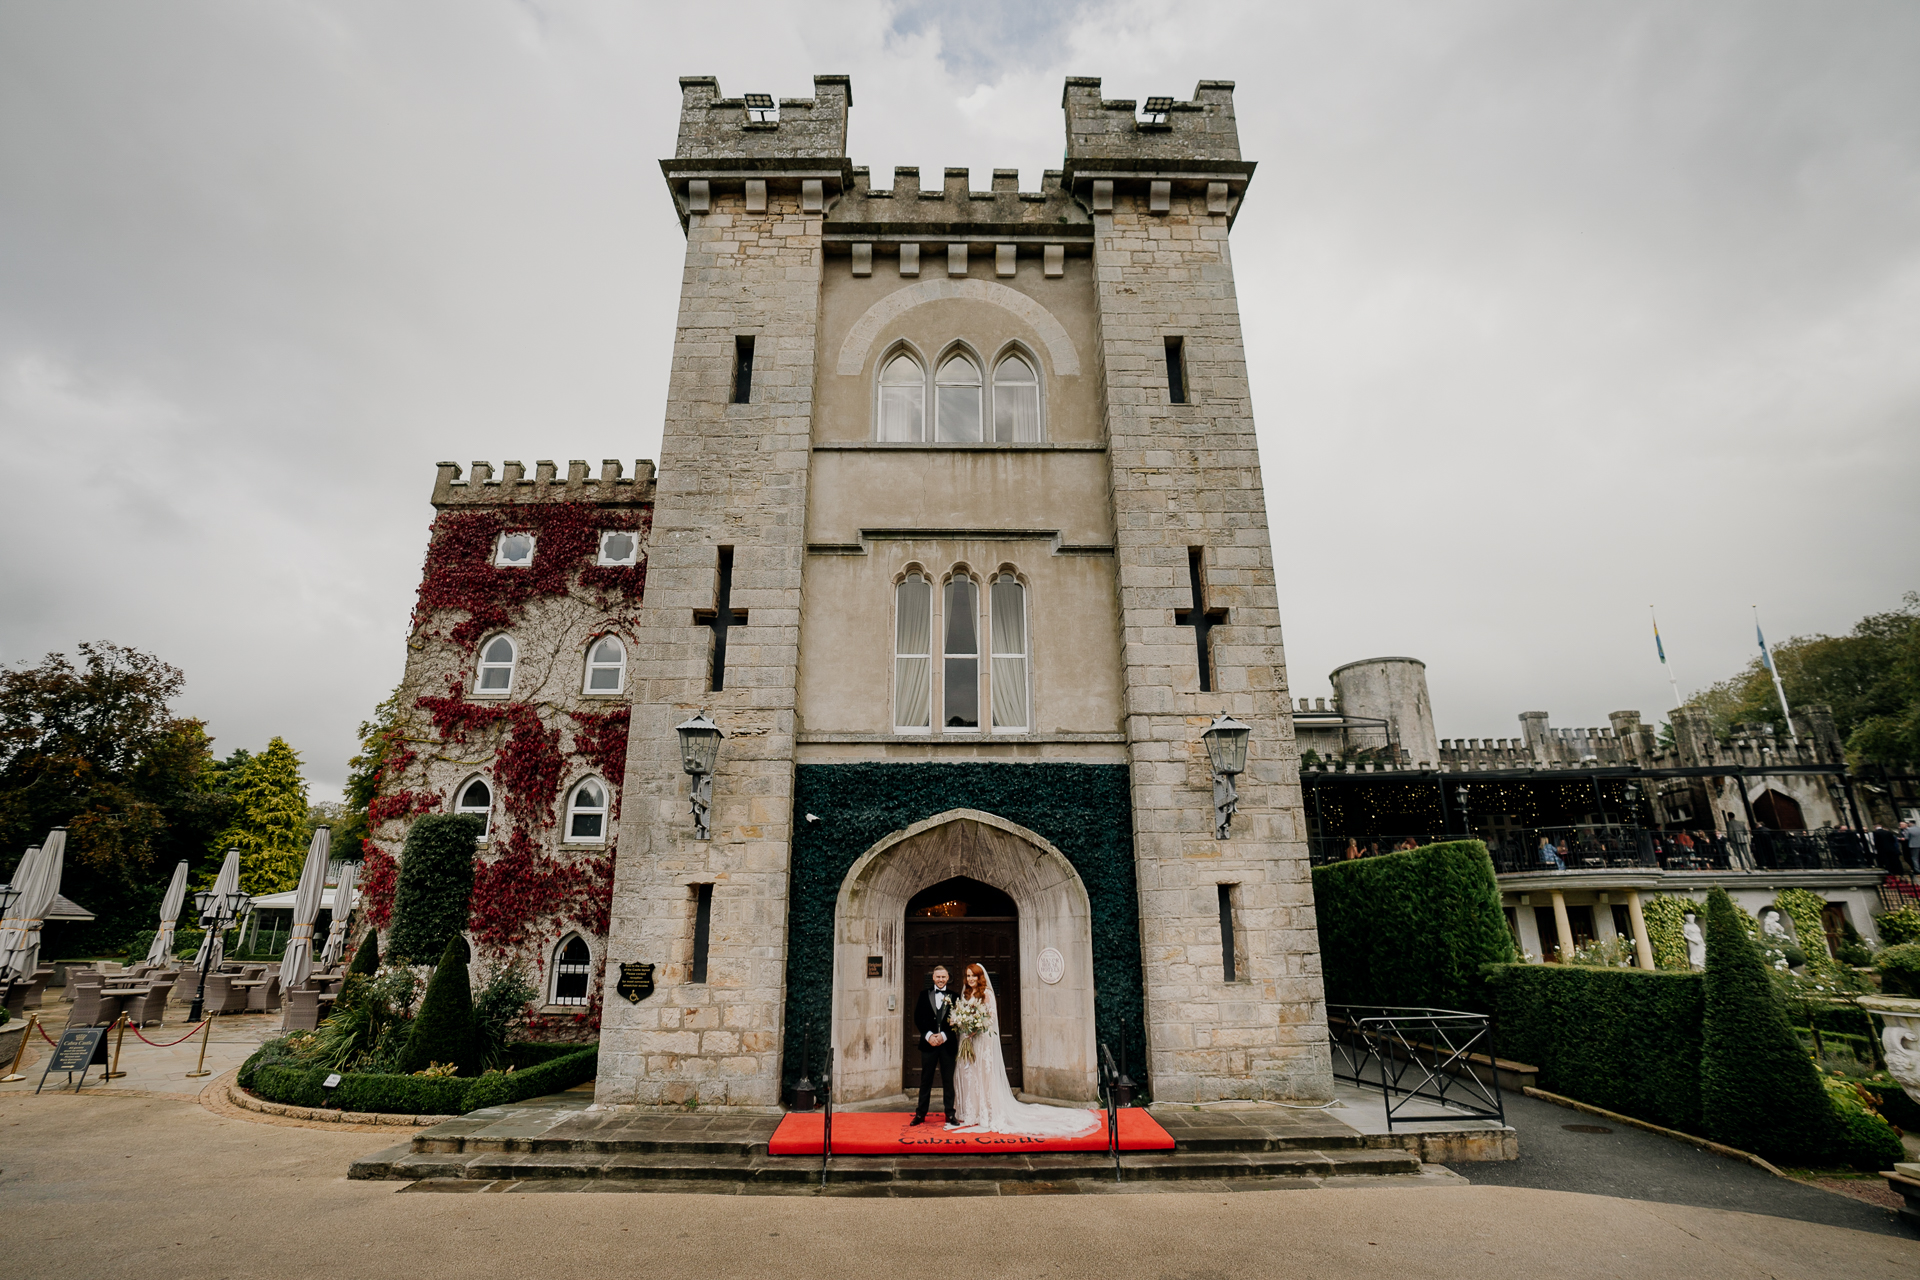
{"points": [[609, 489], [907, 208], [1199, 132], [713, 127]]}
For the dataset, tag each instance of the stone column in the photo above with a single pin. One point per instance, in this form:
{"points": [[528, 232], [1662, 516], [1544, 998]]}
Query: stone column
{"points": [[1562, 926], [1642, 944]]}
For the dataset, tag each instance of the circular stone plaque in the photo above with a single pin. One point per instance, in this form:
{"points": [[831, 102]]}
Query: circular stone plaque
{"points": [[1053, 966]]}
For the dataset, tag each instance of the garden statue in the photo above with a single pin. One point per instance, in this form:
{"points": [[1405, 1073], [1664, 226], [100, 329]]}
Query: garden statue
{"points": [[1771, 926], [1696, 944]]}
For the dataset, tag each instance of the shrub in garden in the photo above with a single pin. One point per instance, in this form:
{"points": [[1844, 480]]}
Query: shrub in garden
{"points": [[436, 883], [503, 997], [1900, 970], [443, 1030], [1758, 1089], [368, 1028], [1900, 926], [367, 958], [1413, 928], [1666, 916]]}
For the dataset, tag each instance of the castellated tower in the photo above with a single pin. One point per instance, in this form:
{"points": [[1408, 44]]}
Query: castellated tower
{"points": [[959, 537]]}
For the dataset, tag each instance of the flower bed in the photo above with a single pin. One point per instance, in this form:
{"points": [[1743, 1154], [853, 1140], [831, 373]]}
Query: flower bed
{"points": [[538, 1069]]}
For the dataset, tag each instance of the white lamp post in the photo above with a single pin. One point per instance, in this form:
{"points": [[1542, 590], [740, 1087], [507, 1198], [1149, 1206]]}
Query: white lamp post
{"points": [[1226, 740], [699, 749]]}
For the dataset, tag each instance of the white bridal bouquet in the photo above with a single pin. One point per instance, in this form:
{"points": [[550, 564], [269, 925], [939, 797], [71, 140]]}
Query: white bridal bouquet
{"points": [[969, 1019]]}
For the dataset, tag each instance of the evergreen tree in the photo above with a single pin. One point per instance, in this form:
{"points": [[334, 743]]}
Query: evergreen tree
{"points": [[1759, 1090], [435, 886], [270, 823], [443, 1030], [367, 958]]}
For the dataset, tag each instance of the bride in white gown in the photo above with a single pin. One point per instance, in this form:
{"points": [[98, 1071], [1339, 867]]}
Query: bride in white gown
{"points": [[982, 1099]]}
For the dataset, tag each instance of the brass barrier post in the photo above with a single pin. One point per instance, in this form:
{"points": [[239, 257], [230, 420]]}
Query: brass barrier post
{"points": [[118, 1041], [13, 1072], [207, 1030]]}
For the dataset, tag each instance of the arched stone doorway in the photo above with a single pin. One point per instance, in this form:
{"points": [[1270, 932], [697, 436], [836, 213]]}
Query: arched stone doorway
{"points": [[1781, 812], [1052, 913]]}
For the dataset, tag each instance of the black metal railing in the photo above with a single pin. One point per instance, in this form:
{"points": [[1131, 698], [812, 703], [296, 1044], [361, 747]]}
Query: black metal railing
{"points": [[1622, 847], [1418, 1059], [1110, 1077], [1825, 850]]}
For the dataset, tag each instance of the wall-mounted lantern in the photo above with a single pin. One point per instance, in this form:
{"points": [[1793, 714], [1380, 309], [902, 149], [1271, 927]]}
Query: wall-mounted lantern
{"points": [[699, 749], [1226, 740]]}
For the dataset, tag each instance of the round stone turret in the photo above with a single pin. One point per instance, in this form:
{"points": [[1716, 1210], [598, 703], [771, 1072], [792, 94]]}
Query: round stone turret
{"points": [[1393, 690]]}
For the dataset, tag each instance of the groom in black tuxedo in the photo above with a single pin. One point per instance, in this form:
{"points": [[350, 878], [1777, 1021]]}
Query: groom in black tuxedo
{"points": [[939, 1047]]}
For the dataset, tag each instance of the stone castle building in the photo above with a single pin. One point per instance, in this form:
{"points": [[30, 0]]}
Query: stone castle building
{"points": [[959, 538]]}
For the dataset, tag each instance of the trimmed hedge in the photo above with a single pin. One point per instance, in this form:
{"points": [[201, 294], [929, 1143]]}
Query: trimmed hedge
{"points": [[1624, 1039], [430, 902], [418, 1095], [1899, 970], [443, 1030], [367, 958], [1898, 926], [1416, 928]]}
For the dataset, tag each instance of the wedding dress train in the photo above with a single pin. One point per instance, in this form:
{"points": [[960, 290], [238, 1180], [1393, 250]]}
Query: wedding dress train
{"points": [[983, 1100]]}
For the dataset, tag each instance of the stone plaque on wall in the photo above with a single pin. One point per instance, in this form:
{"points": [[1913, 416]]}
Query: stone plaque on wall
{"points": [[1052, 966]]}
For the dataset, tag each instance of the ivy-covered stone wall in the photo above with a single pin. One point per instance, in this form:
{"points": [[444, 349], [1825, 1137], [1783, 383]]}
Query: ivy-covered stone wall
{"points": [[1083, 809]]}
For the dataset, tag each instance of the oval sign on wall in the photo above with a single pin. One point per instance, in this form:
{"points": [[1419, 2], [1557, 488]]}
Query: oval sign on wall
{"points": [[1053, 966]]}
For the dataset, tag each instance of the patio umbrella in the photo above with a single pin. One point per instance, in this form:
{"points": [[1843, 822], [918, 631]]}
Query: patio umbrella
{"points": [[13, 930], [170, 906], [297, 962], [226, 882], [342, 909], [37, 892]]}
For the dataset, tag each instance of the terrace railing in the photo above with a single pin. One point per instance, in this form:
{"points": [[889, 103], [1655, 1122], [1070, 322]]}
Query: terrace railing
{"points": [[1419, 1059]]}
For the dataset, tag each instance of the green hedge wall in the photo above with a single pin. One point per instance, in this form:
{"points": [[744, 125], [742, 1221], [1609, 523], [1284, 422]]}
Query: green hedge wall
{"points": [[1415, 928], [1085, 810], [1624, 1039], [419, 1095], [436, 884]]}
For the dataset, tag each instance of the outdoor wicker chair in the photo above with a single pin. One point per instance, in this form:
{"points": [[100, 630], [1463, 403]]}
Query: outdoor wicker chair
{"points": [[150, 1006], [265, 998], [302, 1010], [86, 1003]]}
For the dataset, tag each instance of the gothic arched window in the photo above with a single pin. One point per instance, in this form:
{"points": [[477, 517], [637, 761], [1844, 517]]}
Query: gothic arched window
{"points": [[956, 401], [903, 400], [496, 666], [1008, 600], [476, 797], [913, 655], [572, 970], [960, 691], [587, 813], [1016, 402]]}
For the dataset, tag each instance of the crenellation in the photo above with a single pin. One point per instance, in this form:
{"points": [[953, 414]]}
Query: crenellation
{"points": [[480, 488]]}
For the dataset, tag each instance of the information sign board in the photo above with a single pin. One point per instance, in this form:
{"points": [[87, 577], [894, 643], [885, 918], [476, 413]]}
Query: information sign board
{"points": [[79, 1048]]}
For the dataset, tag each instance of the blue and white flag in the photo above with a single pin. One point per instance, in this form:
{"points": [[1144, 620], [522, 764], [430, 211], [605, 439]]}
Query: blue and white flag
{"points": [[1759, 635]]}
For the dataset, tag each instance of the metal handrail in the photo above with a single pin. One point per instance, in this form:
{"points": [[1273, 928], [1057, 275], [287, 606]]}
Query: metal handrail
{"points": [[1109, 1076], [1438, 1044], [826, 1088]]}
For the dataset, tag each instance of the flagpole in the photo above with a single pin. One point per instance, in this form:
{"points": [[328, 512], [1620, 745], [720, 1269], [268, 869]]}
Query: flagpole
{"points": [[1778, 688], [1661, 649]]}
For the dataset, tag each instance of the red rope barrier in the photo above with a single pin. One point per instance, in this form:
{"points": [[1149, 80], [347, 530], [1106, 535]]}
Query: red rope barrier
{"points": [[41, 1027], [169, 1044]]}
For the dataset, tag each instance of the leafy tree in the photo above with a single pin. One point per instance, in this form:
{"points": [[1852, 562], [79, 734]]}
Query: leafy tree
{"points": [[270, 825], [93, 745], [1870, 677], [430, 902], [380, 739]]}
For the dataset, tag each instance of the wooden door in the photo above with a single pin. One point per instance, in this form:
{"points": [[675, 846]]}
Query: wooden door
{"points": [[991, 942]]}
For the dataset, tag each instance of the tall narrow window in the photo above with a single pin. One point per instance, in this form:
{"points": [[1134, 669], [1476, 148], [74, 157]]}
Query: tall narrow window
{"points": [[960, 701], [476, 798], [587, 813], [606, 665], [1228, 943], [743, 369], [1016, 402], [572, 971], [496, 666], [702, 929], [1009, 601], [913, 655], [903, 400], [1176, 371], [956, 403]]}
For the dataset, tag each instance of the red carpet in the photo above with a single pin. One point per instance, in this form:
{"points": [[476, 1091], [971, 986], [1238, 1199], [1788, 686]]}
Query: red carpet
{"points": [[887, 1133]]}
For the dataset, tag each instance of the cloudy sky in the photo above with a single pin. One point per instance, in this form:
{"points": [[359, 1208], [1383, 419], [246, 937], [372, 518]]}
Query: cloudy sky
{"points": [[1554, 310]]}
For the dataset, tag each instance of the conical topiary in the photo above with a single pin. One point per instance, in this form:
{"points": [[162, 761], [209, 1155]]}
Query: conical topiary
{"points": [[443, 1030], [367, 958], [436, 882], [1759, 1091]]}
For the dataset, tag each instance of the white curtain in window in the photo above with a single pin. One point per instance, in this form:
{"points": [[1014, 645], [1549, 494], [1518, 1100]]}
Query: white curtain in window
{"points": [[957, 400], [1009, 602], [960, 693], [1016, 402], [913, 654], [903, 399]]}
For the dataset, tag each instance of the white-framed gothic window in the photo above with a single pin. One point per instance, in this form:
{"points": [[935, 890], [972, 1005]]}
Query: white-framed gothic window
{"points": [[903, 400], [960, 654], [587, 813], [514, 550], [1016, 401], [572, 971], [956, 400], [1007, 612], [496, 667], [619, 546], [476, 797], [606, 665], [913, 655]]}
